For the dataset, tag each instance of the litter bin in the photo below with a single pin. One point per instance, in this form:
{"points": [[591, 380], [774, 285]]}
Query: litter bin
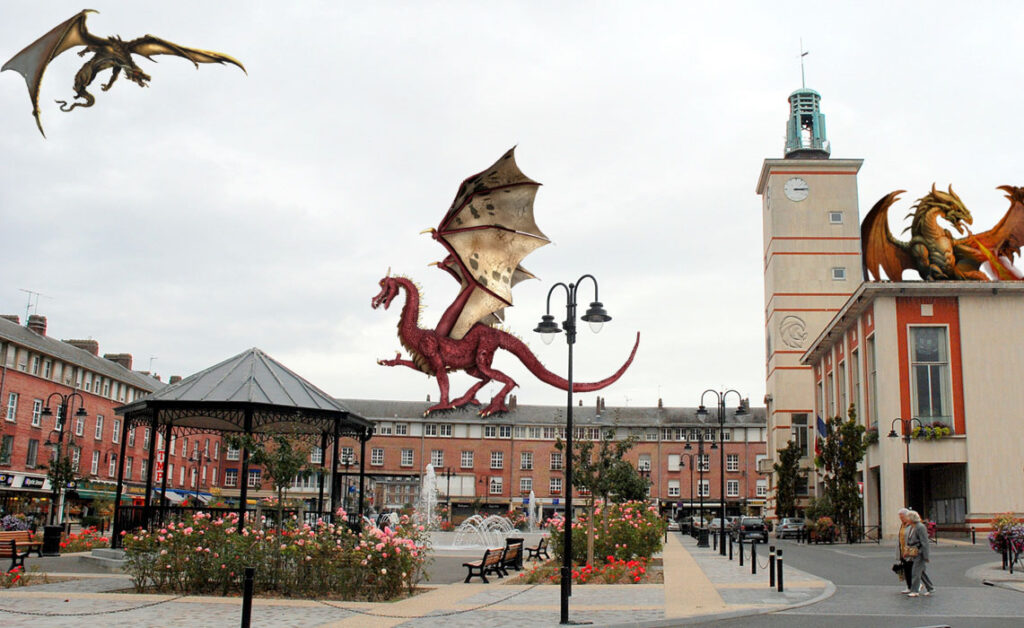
{"points": [[702, 537], [51, 540]]}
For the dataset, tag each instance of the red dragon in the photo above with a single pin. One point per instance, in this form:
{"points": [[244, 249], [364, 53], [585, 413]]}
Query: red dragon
{"points": [[487, 232]]}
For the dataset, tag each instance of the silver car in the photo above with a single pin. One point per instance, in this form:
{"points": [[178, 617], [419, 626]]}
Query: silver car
{"points": [[789, 527]]}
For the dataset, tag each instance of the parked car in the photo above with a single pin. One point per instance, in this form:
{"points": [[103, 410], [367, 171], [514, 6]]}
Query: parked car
{"points": [[751, 528], [715, 525], [789, 527], [731, 523], [673, 526]]}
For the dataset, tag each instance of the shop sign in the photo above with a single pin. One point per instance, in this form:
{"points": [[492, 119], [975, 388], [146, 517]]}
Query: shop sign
{"points": [[30, 482], [6, 479]]}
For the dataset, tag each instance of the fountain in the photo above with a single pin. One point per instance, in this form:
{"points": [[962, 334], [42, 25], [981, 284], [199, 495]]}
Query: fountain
{"points": [[532, 512], [426, 503], [478, 531]]}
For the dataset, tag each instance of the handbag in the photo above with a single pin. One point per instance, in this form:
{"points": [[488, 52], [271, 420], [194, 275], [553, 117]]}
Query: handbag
{"points": [[911, 552], [897, 568]]}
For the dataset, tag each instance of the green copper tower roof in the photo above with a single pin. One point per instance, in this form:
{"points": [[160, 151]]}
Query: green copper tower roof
{"points": [[805, 131]]}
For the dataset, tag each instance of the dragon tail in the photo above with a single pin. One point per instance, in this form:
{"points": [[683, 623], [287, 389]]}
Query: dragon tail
{"points": [[515, 346]]}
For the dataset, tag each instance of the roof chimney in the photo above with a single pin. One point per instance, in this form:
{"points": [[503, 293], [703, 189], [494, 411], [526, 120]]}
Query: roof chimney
{"points": [[11, 317], [175, 379], [660, 403], [513, 402], [124, 359], [92, 346], [37, 324]]}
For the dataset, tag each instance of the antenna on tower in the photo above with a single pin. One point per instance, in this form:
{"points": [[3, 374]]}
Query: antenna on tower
{"points": [[151, 358], [31, 308], [803, 80]]}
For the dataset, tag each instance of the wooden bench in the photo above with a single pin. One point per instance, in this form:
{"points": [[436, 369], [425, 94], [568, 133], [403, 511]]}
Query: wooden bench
{"points": [[10, 549], [24, 539], [540, 550], [490, 563], [513, 557]]}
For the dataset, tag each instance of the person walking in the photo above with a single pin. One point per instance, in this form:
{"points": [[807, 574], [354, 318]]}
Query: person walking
{"points": [[917, 548], [901, 550]]}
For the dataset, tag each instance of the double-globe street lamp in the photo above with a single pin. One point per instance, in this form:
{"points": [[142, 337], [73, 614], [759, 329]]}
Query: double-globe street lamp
{"points": [[58, 479], [596, 316], [702, 536], [703, 412]]}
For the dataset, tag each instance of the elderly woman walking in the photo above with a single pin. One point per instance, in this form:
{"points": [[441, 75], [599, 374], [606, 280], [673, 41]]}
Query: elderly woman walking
{"points": [[917, 551], [901, 550]]}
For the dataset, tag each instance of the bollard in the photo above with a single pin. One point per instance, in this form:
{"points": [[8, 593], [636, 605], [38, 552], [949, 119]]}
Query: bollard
{"points": [[741, 549], [1005, 556], [730, 546], [753, 559], [778, 567], [714, 540], [250, 574], [974, 538], [771, 566]]}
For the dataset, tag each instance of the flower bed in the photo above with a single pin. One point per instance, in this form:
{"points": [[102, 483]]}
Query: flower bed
{"points": [[611, 571], [84, 541], [15, 522], [18, 577], [205, 555], [1008, 531], [634, 530]]}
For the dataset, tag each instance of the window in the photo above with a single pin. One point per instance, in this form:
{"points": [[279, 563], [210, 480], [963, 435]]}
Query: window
{"points": [[377, 456], [430, 429], [497, 460], [838, 273], [762, 488], [181, 476], [33, 454], [230, 477], [76, 457], [47, 369], [216, 450], [12, 406], [644, 463], [704, 460], [673, 462], [556, 461], [801, 485], [401, 429], [194, 476], [843, 405], [830, 396], [446, 429], [490, 431], [526, 460], [144, 470], [732, 488], [174, 445], [37, 412], [99, 427], [555, 485], [112, 467], [467, 460], [35, 365], [206, 449], [930, 374], [79, 425], [799, 422], [94, 468], [6, 448], [437, 458], [406, 457], [116, 436], [383, 430], [232, 453], [835, 218], [131, 437], [213, 476], [525, 485], [254, 478], [184, 447], [673, 488], [316, 455], [732, 462], [145, 439], [504, 431], [496, 485], [652, 434], [704, 488]]}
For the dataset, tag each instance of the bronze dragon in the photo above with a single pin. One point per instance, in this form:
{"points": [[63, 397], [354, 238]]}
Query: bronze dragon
{"points": [[933, 250], [487, 231]]}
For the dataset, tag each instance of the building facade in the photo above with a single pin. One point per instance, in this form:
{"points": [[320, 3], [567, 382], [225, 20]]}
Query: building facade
{"points": [[913, 355]]}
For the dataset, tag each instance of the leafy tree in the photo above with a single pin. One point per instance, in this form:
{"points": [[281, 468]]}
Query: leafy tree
{"points": [[841, 453], [787, 472], [61, 470], [283, 457]]}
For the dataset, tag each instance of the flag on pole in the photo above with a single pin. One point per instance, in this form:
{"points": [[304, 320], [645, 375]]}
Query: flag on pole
{"points": [[822, 429]]}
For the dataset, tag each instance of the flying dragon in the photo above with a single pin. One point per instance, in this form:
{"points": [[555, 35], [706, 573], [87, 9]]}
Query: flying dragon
{"points": [[487, 232], [932, 249], [109, 53]]}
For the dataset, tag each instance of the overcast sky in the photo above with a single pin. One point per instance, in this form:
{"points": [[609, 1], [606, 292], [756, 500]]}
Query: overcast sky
{"points": [[216, 211]]}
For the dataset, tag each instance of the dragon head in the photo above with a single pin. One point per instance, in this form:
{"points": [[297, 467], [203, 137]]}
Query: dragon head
{"points": [[949, 205], [388, 291], [135, 74]]}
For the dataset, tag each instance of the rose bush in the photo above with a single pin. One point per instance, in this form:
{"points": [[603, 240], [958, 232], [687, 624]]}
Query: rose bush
{"points": [[1007, 531], [207, 555], [623, 531], [84, 541], [611, 571]]}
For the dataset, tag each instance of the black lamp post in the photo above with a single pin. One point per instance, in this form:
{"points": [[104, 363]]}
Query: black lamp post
{"points": [[720, 398], [66, 401], [702, 538], [596, 316], [907, 426], [347, 460], [448, 471]]}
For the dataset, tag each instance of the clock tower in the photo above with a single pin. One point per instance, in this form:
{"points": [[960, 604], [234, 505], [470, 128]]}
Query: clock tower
{"points": [[812, 263]]}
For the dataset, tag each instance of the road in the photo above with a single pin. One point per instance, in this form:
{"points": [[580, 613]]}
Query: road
{"points": [[868, 593]]}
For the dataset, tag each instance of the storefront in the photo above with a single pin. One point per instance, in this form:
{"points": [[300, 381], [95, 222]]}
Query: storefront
{"points": [[25, 493]]}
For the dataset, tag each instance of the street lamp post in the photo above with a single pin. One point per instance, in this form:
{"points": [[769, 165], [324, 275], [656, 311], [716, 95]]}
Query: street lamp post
{"points": [[906, 425], [596, 316], [702, 538], [720, 398], [448, 471], [347, 460], [66, 401]]}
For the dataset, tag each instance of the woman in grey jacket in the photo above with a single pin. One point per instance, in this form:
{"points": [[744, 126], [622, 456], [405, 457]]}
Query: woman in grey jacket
{"points": [[917, 537]]}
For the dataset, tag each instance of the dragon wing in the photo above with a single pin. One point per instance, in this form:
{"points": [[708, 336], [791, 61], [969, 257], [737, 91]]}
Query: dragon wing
{"points": [[149, 45], [488, 231], [32, 61], [1004, 240], [878, 245]]}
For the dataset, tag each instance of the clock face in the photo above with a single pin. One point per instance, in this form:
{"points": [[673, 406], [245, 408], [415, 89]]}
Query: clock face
{"points": [[796, 189]]}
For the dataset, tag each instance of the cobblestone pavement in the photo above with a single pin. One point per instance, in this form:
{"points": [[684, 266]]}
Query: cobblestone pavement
{"points": [[698, 583]]}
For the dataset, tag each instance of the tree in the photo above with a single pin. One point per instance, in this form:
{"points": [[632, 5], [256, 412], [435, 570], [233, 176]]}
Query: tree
{"points": [[283, 458], [787, 472], [841, 453], [62, 473]]}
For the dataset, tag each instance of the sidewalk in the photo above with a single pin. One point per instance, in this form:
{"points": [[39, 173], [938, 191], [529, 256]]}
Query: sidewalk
{"points": [[699, 586]]}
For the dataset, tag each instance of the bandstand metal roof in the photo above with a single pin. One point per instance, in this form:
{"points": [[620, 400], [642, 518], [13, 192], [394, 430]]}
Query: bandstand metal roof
{"points": [[218, 399]]}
